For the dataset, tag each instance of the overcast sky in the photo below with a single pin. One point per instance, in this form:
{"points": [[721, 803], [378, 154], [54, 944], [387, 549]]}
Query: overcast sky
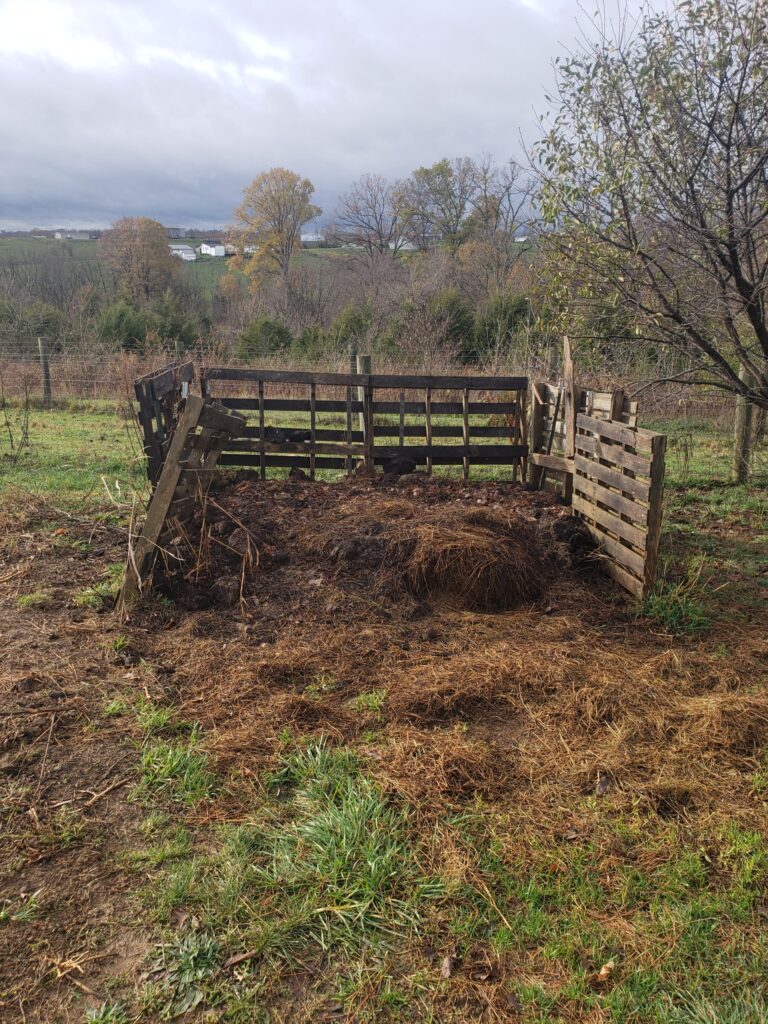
{"points": [[169, 107]]}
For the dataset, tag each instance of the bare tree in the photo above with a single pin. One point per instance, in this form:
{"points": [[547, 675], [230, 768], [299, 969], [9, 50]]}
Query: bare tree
{"points": [[369, 217], [654, 182]]}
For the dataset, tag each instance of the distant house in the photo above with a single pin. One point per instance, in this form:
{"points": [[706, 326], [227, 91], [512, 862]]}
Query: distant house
{"points": [[183, 252], [174, 232], [211, 248], [76, 236], [312, 239]]}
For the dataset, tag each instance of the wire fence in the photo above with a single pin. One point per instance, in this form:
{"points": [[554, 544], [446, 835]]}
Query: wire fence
{"points": [[78, 406]]}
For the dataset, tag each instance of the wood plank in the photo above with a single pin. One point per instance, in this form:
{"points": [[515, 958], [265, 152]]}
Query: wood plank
{"points": [[499, 453], [312, 428], [218, 418], [628, 532], [635, 437], [592, 491], [379, 407], [428, 425], [626, 557], [537, 432], [559, 463], [656, 502], [465, 430], [229, 458], [299, 447], [394, 381], [262, 447], [623, 577], [612, 477], [588, 444], [142, 557], [286, 376], [448, 382]]}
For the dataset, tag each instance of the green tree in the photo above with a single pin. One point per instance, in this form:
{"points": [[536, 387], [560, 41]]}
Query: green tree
{"points": [[263, 336]]}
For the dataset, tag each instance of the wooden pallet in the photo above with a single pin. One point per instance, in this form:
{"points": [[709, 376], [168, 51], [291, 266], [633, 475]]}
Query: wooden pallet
{"points": [[201, 433], [618, 483]]}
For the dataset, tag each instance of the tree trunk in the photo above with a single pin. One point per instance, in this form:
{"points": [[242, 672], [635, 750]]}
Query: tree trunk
{"points": [[742, 437]]}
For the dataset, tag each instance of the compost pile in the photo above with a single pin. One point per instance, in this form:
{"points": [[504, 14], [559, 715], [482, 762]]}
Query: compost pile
{"points": [[367, 548]]}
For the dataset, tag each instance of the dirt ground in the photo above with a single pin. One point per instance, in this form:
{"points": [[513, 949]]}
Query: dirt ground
{"points": [[333, 610]]}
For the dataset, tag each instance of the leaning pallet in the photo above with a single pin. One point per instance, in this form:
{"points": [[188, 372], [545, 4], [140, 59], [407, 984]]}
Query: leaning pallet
{"points": [[618, 484], [200, 435]]}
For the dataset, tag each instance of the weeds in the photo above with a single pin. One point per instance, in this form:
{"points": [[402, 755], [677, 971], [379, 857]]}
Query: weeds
{"points": [[107, 1013], [26, 908], [37, 599], [101, 594], [676, 606], [183, 967]]}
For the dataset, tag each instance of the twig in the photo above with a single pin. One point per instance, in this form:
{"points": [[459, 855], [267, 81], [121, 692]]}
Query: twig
{"points": [[45, 758], [115, 785]]}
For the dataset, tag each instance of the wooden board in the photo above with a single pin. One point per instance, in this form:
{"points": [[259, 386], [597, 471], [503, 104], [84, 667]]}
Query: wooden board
{"points": [[188, 454]]}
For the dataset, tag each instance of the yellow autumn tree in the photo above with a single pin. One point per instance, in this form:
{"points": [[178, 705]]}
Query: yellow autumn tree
{"points": [[137, 250], [267, 224]]}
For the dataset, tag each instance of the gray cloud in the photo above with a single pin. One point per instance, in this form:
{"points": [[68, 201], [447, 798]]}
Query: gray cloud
{"points": [[169, 108]]}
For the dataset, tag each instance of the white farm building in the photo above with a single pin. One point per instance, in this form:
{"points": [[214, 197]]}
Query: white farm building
{"points": [[184, 252], [212, 249]]}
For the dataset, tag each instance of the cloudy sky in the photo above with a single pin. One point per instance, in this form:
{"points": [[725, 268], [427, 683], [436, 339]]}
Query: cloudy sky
{"points": [[169, 107]]}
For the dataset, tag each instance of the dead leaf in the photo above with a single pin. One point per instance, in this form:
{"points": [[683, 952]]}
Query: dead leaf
{"points": [[446, 967], [604, 974]]}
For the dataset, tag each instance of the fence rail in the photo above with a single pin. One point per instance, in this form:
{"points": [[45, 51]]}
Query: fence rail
{"points": [[371, 409]]}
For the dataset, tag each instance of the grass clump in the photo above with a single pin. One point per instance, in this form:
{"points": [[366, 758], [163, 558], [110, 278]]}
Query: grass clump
{"points": [[107, 1013], [177, 768], [328, 865], [184, 966], [37, 599], [677, 607], [103, 593]]}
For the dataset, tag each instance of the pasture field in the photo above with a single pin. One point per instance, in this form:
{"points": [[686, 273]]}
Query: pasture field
{"points": [[336, 809]]}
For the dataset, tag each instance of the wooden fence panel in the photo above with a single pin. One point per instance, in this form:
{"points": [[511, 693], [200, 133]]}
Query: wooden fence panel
{"points": [[618, 481], [381, 403], [159, 395]]}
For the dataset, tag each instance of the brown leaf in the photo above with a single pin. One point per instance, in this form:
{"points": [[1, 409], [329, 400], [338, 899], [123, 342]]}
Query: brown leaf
{"points": [[446, 967], [605, 972]]}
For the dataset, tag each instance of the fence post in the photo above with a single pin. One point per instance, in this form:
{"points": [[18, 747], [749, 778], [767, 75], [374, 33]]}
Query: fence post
{"points": [[363, 364], [655, 507], [46, 371], [742, 435], [570, 412], [537, 432]]}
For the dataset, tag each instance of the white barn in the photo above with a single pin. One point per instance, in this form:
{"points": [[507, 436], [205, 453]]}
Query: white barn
{"points": [[183, 252], [212, 249]]}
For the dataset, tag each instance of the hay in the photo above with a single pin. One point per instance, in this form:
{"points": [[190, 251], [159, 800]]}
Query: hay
{"points": [[483, 563], [440, 767]]}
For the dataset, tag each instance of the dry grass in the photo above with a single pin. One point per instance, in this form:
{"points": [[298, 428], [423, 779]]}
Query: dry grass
{"points": [[538, 703]]}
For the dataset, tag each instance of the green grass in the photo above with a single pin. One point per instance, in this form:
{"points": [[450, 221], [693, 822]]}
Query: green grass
{"points": [[37, 599], [177, 768], [105, 591], [83, 452]]}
